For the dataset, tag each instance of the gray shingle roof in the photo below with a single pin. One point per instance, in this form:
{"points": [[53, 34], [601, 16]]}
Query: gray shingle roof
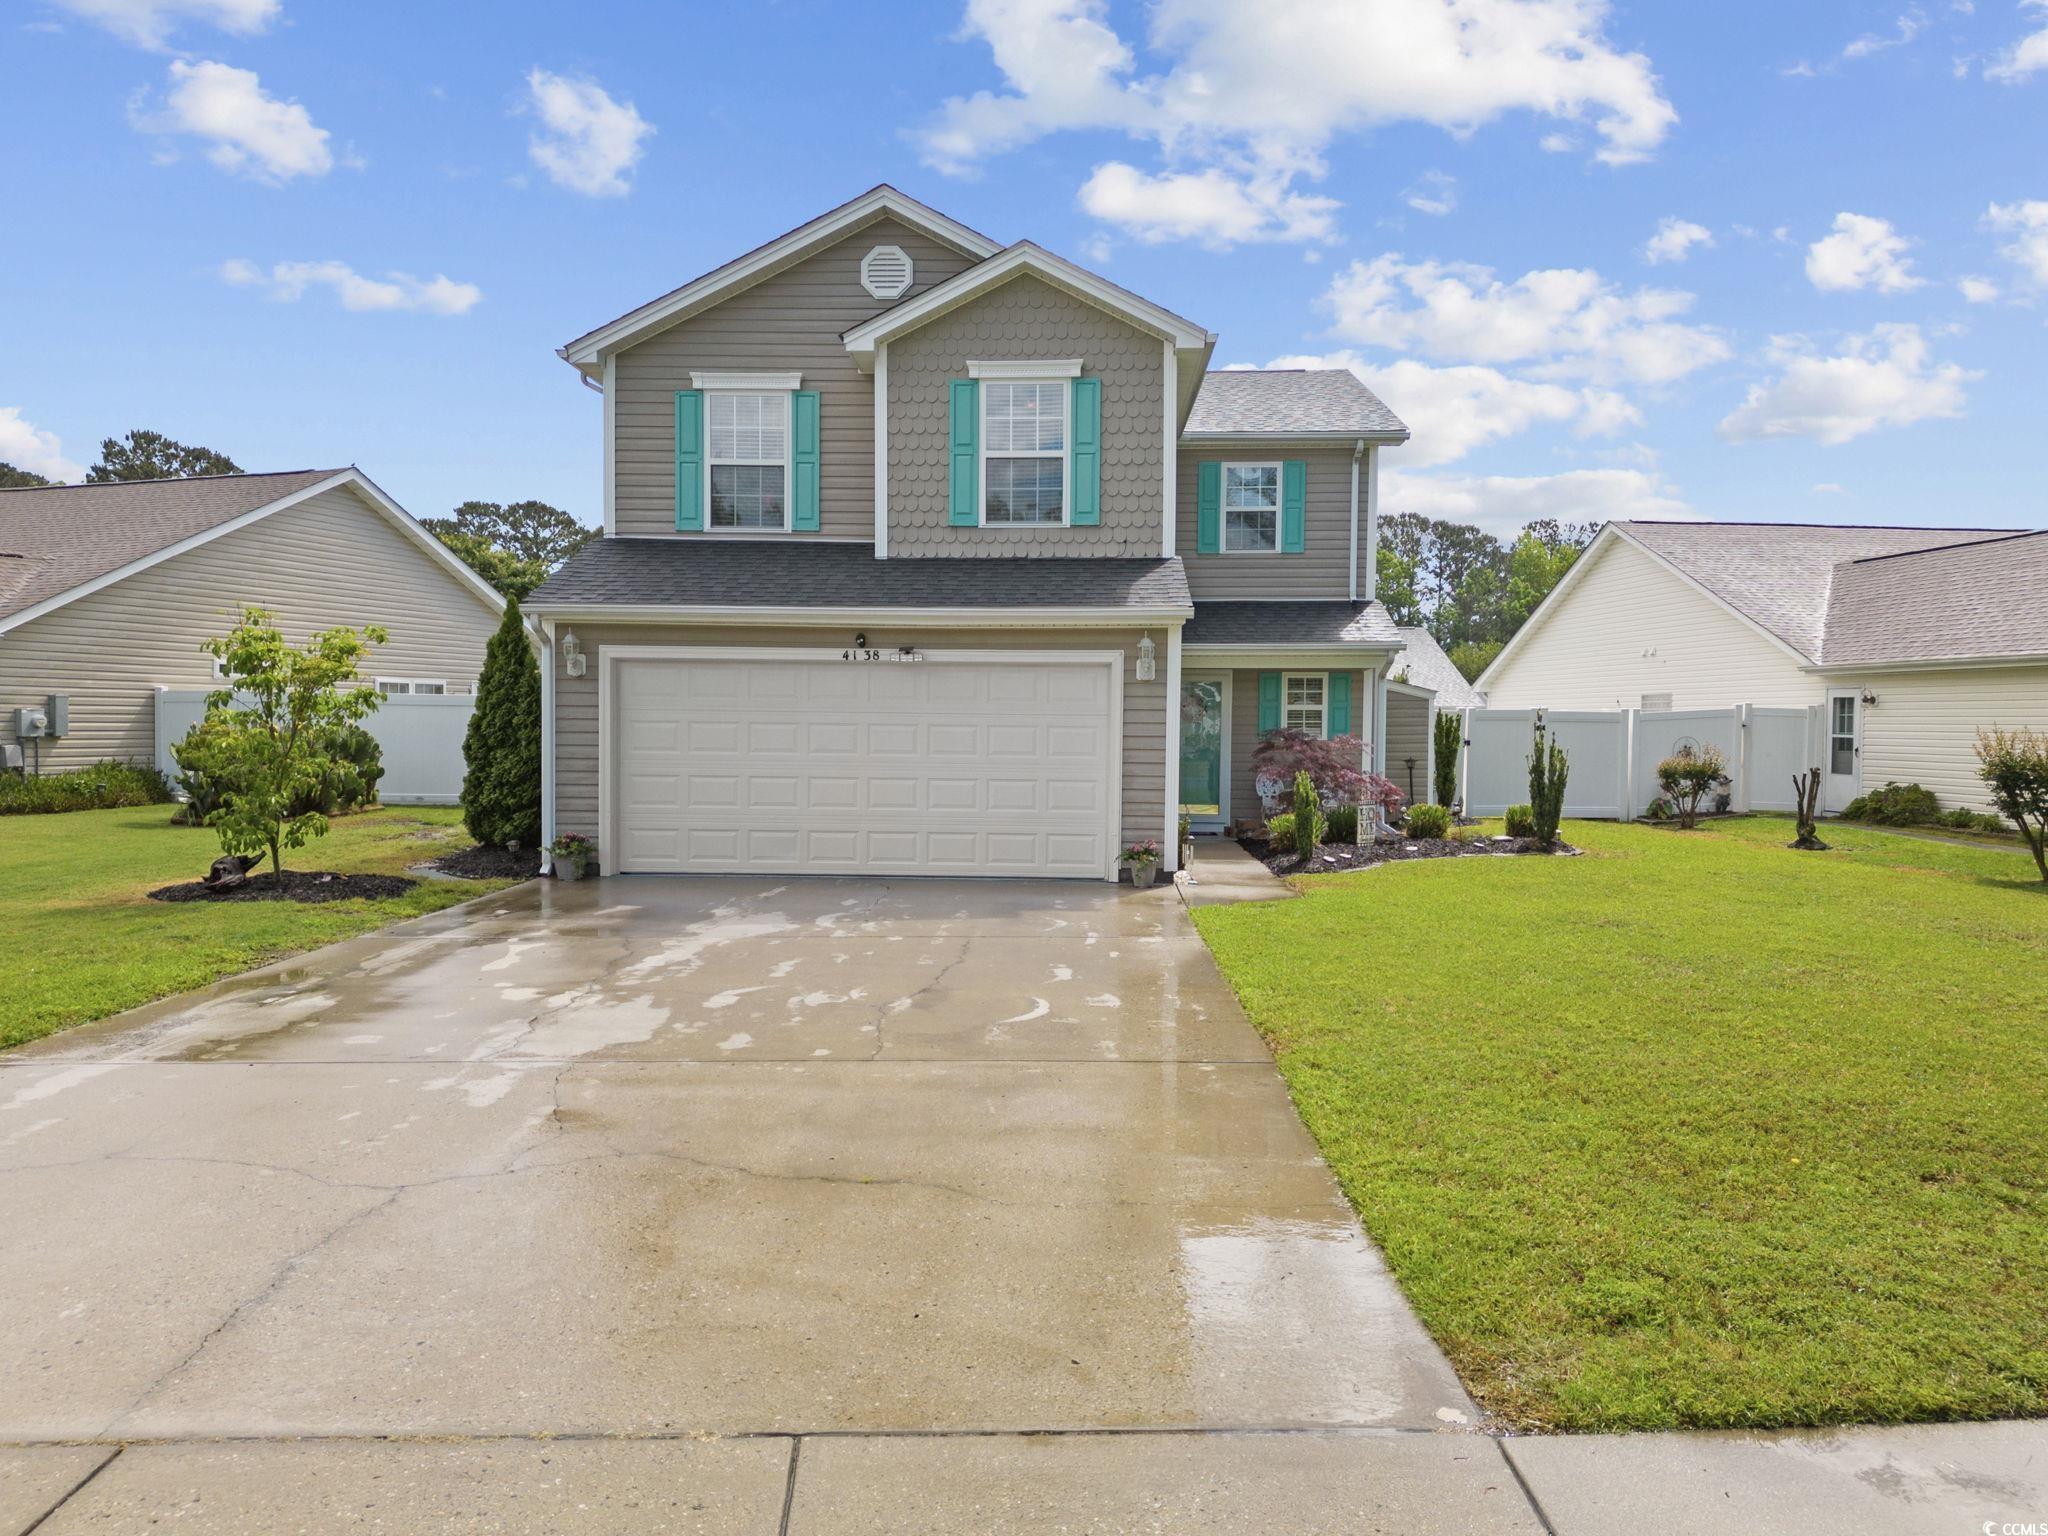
{"points": [[1303, 624], [1282, 402], [58, 537], [1426, 666], [1986, 598], [769, 573], [1779, 574]]}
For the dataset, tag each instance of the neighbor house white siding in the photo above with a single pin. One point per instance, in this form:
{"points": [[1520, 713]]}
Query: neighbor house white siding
{"points": [[1923, 728], [1631, 627]]}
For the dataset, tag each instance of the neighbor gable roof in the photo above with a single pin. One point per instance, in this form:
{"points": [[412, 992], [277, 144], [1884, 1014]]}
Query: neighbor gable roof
{"points": [[1424, 664], [74, 540], [1290, 403], [1983, 600], [785, 250]]}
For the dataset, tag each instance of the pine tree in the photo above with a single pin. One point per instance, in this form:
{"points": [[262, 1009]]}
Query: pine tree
{"points": [[501, 787]]}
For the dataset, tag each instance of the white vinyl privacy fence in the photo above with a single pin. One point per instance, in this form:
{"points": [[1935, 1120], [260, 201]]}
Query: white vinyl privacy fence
{"points": [[421, 735], [1614, 755]]}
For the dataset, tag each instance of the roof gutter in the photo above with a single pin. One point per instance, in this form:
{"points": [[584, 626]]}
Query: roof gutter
{"points": [[1930, 664], [700, 613]]}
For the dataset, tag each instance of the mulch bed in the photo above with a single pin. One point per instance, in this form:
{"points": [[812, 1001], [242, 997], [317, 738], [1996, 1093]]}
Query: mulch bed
{"points": [[1337, 856], [309, 885], [487, 864]]}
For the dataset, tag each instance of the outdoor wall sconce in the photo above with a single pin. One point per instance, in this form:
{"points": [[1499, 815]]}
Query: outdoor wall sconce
{"points": [[573, 659], [1148, 666], [1869, 699]]}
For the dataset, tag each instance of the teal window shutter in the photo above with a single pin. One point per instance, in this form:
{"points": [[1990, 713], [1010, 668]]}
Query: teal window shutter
{"points": [[1293, 507], [690, 460], [963, 440], [803, 460], [1339, 713], [1084, 505], [1269, 702], [1208, 509]]}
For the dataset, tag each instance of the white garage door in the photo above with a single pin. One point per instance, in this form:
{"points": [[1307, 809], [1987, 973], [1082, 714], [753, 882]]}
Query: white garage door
{"points": [[931, 767]]}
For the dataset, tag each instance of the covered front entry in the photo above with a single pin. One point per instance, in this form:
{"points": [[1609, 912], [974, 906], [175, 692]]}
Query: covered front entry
{"points": [[1205, 749], [878, 762]]}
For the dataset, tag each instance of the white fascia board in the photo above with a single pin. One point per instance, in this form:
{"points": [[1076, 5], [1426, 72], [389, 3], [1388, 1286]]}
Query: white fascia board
{"points": [[585, 351], [1360, 656], [1277, 439], [403, 520], [986, 618], [1412, 690], [727, 379], [1929, 664], [1052, 368]]}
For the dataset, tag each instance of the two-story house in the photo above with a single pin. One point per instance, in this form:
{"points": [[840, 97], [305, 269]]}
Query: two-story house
{"points": [[925, 555]]}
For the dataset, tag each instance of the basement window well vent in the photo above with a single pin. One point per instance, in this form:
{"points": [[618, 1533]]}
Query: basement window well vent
{"points": [[1656, 704], [886, 272]]}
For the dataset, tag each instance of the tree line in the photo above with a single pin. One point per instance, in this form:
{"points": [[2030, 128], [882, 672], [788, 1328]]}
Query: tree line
{"points": [[1466, 587]]}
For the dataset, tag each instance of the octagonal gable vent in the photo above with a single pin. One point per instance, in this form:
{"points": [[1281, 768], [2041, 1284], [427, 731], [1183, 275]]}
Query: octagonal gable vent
{"points": [[886, 272]]}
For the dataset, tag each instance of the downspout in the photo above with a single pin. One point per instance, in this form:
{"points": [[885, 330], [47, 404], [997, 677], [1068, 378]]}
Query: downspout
{"points": [[1372, 524], [547, 745], [1357, 453]]}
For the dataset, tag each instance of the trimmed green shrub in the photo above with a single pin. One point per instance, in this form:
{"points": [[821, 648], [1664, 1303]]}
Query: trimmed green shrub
{"points": [[1449, 737], [1548, 769], [343, 773], [2015, 769], [501, 751], [1341, 824], [1429, 821], [1309, 824], [1521, 821], [1896, 805], [1689, 776], [99, 786], [1280, 830]]}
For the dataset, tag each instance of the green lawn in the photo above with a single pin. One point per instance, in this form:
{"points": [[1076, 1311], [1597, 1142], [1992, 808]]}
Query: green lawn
{"points": [[79, 940], [1694, 1130]]}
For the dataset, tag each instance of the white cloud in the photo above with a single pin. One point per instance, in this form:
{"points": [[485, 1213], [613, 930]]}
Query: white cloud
{"points": [[2025, 58], [1259, 92], [1977, 290], [589, 142], [289, 280], [1829, 488], [2027, 223], [1566, 323], [1211, 206], [1502, 504], [27, 446], [1674, 240], [247, 130], [1434, 193], [1886, 378], [150, 23], [1863, 252], [1908, 27]]}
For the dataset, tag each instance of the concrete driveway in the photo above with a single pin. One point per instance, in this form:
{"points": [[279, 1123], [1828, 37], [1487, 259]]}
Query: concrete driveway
{"points": [[708, 1205]]}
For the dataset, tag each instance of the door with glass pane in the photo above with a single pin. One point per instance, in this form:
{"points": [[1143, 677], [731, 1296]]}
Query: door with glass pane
{"points": [[1204, 734], [1843, 748]]}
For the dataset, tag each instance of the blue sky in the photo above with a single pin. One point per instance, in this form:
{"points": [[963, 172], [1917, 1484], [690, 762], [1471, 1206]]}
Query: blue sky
{"points": [[1841, 322]]}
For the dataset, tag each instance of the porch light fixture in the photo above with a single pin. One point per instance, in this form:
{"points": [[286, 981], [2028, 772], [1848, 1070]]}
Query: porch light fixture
{"points": [[1869, 699], [573, 659], [1148, 666]]}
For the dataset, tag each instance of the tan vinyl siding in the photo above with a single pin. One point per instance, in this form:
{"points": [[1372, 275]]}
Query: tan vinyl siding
{"points": [[1144, 733], [330, 560], [1923, 728], [1630, 627], [1027, 319], [1408, 736], [1246, 809], [1321, 570], [791, 321]]}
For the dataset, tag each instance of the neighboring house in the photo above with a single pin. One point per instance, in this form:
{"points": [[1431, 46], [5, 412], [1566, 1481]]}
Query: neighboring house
{"points": [[1909, 639], [107, 592], [1423, 681], [925, 555]]}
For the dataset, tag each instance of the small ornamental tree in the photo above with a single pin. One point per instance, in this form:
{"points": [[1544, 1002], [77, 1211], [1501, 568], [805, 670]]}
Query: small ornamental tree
{"points": [[501, 751], [271, 733], [1548, 769], [1688, 777], [1331, 763], [2015, 769], [1309, 825], [1449, 732]]}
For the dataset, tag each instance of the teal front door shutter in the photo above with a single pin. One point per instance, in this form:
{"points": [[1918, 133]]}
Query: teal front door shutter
{"points": [[1208, 509], [1269, 702], [1084, 506], [1293, 507], [1340, 705], [803, 460], [963, 438], [690, 460]]}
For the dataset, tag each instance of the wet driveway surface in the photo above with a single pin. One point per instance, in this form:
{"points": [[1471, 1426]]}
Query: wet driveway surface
{"points": [[708, 1205]]}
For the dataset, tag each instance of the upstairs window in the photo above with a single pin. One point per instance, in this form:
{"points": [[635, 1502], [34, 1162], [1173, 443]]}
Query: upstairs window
{"points": [[747, 442], [1024, 451], [1251, 508], [393, 686]]}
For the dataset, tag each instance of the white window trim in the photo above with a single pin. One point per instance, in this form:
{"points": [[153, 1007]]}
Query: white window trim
{"points": [[1223, 504], [421, 687], [746, 383], [1287, 680], [784, 463], [1066, 450], [1025, 371]]}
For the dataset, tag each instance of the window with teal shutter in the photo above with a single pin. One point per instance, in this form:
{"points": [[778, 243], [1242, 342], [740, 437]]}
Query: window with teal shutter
{"points": [[1084, 504], [1293, 507], [1209, 520], [1340, 704], [689, 461], [803, 460], [963, 439], [1269, 702]]}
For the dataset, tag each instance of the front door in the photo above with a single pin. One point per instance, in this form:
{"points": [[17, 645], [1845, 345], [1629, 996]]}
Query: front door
{"points": [[1203, 736], [1843, 749]]}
